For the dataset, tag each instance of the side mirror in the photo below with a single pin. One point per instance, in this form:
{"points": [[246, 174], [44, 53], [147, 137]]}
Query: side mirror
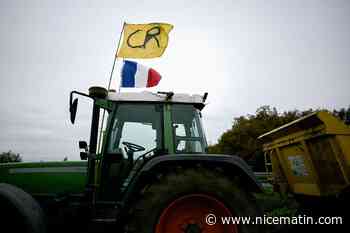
{"points": [[83, 145], [73, 110], [83, 155]]}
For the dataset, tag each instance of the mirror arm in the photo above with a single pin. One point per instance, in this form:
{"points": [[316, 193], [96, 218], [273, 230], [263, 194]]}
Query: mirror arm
{"points": [[78, 93]]}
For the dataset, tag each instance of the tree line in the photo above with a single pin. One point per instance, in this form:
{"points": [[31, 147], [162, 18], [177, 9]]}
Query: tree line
{"points": [[241, 139], [8, 157], [11, 157]]}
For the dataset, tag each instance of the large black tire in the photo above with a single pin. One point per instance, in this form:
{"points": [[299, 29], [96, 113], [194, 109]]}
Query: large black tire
{"points": [[145, 213], [19, 212]]}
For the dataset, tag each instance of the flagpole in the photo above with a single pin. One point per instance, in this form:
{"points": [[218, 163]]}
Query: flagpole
{"points": [[109, 83], [115, 57], [120, 82]]}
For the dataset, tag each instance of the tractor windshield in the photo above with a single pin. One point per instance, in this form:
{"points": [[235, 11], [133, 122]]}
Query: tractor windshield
{"points": [[187, 130], [138, 126]]}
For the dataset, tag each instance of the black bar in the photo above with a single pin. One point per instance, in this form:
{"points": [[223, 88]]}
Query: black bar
{"points": [[93, 142]]}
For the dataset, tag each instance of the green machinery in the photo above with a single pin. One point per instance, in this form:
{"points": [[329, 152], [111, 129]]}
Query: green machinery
{"points": [[148, 171]]}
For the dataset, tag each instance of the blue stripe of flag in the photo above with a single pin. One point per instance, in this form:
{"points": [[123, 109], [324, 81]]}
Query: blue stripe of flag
{"points": [[128, 74]]}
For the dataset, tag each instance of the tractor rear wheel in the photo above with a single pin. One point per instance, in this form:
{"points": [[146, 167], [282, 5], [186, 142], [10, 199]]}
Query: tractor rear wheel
{"points": [[190, 201], [19, 211]]}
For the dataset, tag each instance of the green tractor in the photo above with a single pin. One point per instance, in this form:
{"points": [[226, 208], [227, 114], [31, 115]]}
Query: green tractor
{"points": [[147, 171]]}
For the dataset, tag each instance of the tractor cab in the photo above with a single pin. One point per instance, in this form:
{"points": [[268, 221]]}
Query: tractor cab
{"points": [[139, 127]]}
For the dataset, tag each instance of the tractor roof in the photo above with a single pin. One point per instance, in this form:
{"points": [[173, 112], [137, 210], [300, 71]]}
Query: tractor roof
{"points": [[146, 96]]}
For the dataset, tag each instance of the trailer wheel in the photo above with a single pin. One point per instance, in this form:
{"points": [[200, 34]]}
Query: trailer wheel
{"points": [[189, 202], [19, 212]]}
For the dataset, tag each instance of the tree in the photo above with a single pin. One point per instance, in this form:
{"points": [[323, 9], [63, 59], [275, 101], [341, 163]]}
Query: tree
{"points": [[343, 114], [241, 139], [347, 116], [7, 157]]}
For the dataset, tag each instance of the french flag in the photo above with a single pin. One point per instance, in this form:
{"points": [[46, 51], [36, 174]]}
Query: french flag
{"points": [[139, 76]]}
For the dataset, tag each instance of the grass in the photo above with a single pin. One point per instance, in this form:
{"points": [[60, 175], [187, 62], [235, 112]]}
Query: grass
{"points": [[274, 204]]}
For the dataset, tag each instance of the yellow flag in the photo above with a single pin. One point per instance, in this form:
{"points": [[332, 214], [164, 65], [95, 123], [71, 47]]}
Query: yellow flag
{"points": [[144, 40]]}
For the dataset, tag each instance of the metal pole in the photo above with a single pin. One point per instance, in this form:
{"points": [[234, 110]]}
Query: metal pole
{"points": [[109, 84], [115, 57], [120, 82]]}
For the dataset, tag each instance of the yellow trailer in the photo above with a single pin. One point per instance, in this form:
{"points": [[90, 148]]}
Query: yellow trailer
{"points": [[309, 156]]}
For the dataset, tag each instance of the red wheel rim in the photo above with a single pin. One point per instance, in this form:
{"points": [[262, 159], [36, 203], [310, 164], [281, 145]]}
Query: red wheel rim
{"points": [[188, 214]]}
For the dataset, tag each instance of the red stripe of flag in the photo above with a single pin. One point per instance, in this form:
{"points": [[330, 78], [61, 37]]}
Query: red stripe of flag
{"points": [[153, 78]]}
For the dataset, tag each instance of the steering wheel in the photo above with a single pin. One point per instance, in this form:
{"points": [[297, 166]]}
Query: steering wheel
{"points": [[148, 152], [133, 147]]}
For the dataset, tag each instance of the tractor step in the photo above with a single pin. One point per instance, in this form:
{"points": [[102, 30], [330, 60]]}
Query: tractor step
{"points": [[104, 220], [105, 212]]}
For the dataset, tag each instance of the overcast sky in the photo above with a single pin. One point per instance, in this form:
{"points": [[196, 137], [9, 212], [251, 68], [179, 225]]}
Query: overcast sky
{"points": [[287, 54]]}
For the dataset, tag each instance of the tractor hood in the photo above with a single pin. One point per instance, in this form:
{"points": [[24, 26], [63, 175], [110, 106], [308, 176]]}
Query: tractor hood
{"points": [[46, 178]]}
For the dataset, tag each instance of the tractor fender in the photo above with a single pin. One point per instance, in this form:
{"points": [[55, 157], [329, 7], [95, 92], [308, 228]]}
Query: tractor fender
{"points": [[233, 166], [27, 210]]}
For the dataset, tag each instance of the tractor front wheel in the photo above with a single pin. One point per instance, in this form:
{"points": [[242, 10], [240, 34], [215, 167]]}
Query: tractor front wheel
{"points": [[192, 201]]}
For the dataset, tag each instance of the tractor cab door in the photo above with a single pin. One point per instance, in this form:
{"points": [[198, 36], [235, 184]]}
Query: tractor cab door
{"points": [[134, 130]]}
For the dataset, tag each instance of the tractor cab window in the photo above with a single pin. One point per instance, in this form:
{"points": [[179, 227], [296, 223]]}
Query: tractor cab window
{"points": [[187, 131], [136, 127]]}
